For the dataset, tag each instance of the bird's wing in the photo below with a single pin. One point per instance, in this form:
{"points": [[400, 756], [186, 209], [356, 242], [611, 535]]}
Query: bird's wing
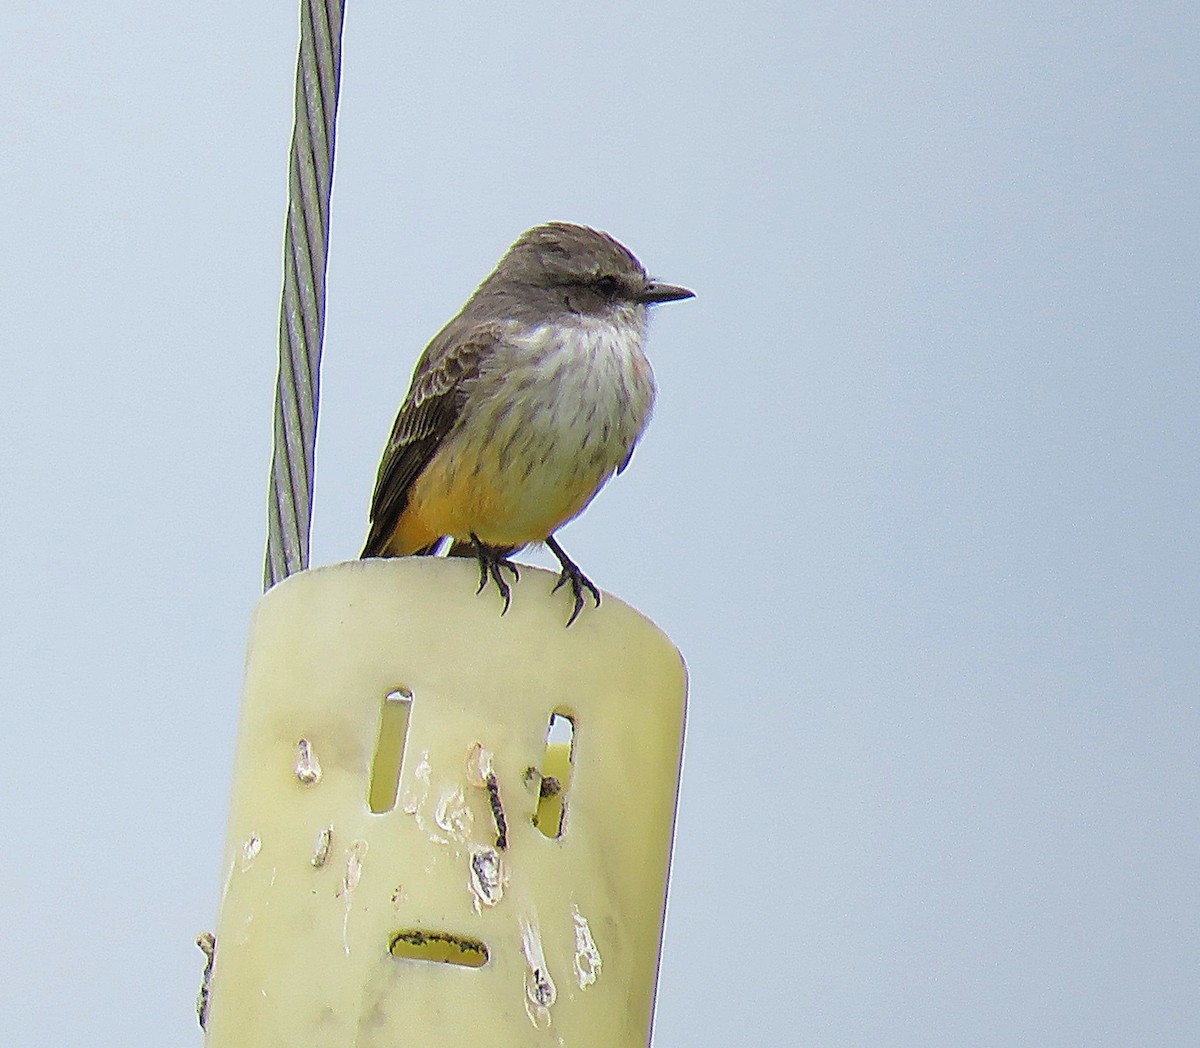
{"points": [[428, 414]]}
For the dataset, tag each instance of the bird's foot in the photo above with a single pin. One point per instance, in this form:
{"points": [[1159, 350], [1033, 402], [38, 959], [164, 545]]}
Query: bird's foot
{"points": [[492, 560], [573, 577]]}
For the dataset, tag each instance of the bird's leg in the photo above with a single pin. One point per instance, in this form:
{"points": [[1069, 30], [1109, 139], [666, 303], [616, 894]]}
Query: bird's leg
{"points": [[571, 575], [491, 560]]}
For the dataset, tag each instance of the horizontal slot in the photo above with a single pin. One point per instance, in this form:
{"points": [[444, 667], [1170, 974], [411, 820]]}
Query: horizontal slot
{"points": [[439, 948]]}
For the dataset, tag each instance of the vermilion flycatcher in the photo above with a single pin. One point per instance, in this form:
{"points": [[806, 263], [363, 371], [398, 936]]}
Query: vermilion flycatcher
{"points": [[522, 407]]}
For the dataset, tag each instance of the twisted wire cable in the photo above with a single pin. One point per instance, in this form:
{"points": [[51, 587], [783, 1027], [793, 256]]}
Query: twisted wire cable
{"points": [[302, 312]]}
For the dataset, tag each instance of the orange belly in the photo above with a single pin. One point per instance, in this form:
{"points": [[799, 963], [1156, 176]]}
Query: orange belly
{"points": [[459, 497]]}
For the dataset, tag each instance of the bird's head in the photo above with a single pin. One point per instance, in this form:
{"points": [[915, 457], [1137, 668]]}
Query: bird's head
{"points": [[561, 268]]}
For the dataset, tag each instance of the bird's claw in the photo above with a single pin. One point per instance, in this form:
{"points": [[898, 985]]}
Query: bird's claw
{"points": [[491, 563], [579, 582], [576, 579]]}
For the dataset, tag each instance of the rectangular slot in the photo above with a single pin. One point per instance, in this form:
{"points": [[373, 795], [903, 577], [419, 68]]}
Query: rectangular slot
{"points": [[389, 750], [556, 775], [439, 948]]}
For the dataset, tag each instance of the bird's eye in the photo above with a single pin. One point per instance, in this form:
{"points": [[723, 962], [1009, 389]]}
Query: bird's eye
{"points": [[607, 286]]}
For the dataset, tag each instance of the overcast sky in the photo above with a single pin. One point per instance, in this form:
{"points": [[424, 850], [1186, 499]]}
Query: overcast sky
{"points": [[918, 505]]}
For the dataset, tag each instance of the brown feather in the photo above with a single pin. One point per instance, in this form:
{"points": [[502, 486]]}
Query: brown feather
{"points": [[428, 415]]}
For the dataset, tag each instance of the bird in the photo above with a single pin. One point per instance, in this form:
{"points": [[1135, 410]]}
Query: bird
{"points": [[522, 408]]}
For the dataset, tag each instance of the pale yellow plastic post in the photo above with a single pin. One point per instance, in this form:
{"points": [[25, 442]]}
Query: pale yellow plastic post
{"points": [[453, 914]]}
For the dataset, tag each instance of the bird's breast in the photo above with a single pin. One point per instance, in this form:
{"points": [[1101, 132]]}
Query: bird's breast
{"points": [[552, 415]]}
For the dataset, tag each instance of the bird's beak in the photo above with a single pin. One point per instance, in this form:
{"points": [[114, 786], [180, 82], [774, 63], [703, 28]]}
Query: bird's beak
{"points": [[656, 292]]}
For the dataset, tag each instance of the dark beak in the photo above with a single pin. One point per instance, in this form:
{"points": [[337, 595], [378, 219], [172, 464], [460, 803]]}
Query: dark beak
{"points": [[655, 292]]}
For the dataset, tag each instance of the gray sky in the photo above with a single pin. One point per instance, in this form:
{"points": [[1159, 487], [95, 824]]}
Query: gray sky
{"points": [[918, 505]]}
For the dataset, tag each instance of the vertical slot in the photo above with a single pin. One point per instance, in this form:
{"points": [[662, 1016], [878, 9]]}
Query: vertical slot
{"points": [[556, 775], [389, 750]]}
